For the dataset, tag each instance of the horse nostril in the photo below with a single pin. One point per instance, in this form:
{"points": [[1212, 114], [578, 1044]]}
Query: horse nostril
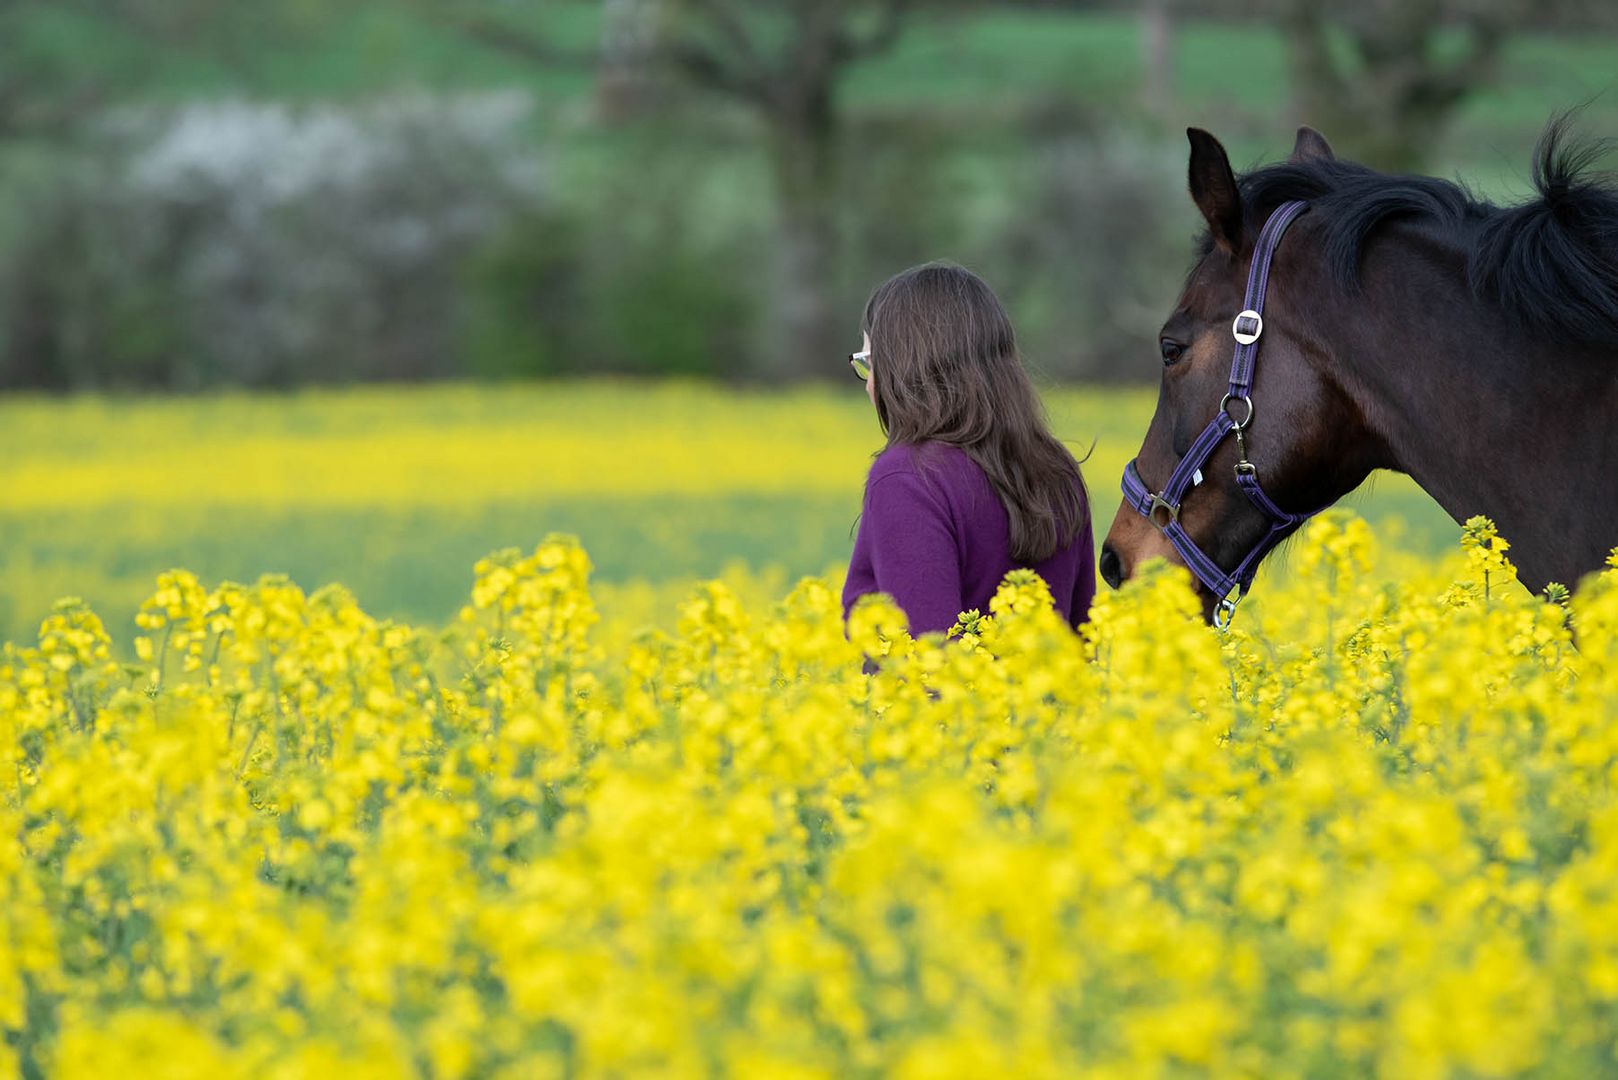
{"points": [[1112, 567]]}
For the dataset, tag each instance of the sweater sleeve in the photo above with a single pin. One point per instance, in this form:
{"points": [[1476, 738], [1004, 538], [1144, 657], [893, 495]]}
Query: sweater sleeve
{"points": [[913, 551]]}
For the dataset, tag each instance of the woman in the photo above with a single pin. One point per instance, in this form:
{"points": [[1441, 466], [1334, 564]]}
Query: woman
{"points": [[971, 483]]}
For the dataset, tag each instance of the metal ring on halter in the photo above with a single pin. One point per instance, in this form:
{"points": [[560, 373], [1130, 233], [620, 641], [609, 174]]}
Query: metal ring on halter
{"points": [[1238, 425], [1225, 611], [1247, 337], [1159, 503]]}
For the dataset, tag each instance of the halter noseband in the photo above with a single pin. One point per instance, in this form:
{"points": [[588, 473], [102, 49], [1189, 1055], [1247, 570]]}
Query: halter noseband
{"points": [[1163, 508]]}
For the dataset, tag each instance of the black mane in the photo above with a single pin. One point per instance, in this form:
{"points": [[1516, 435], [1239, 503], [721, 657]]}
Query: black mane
{"points": [[1550, 263]]}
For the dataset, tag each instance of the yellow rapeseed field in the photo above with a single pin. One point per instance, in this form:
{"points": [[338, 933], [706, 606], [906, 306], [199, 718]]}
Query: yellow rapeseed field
{"points": [[1373, 829], [395, 491]]}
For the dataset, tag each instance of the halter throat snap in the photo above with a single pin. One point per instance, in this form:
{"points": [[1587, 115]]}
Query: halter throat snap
{"points": [[1234, 417]]}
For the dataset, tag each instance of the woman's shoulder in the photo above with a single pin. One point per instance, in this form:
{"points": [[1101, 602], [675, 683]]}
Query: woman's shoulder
{"points": [[916, 459], [928, 473]]}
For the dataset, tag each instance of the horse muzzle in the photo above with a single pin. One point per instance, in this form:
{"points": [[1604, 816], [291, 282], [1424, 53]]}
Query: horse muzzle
{"points": [[1130, 541]]}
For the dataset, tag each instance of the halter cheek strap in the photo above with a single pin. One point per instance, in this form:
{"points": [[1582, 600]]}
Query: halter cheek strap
{"points": [[1234, 417]]}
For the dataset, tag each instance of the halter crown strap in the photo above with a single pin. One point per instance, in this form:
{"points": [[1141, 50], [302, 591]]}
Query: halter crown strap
{"points": [[1163, 508], [1247, 334]]}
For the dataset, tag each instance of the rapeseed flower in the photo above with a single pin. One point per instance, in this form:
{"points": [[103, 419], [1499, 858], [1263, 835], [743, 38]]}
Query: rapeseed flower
{"points": [[1373, 829]]}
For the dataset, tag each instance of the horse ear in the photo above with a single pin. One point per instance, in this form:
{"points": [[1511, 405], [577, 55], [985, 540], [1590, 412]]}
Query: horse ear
{"points": [[1213, 189], [1311, 146]]}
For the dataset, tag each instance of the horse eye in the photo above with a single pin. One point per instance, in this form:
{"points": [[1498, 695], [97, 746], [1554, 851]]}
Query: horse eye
{"points": [[1172, 351]]}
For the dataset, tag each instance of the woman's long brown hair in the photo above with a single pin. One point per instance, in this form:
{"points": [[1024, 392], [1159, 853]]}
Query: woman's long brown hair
{"points": [[946, 366]]}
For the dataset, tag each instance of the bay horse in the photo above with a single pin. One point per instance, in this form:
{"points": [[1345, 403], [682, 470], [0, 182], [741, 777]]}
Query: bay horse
{"points": [[1406, 325]]}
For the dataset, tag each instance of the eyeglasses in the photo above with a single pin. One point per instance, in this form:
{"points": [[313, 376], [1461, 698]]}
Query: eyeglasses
{"points": [[861, 363]]}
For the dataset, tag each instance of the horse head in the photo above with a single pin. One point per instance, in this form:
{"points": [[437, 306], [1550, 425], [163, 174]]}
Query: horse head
{"points": [[1253, 429]]}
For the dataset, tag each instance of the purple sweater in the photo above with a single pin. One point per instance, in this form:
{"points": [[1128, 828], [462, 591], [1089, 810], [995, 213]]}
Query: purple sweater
{"points": [[935, 536]]}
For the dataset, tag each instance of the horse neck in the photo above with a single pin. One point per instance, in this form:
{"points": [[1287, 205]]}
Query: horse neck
{"points": [[1484, 417]]}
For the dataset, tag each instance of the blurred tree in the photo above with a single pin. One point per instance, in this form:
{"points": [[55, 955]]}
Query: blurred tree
{"points": [[265, 244], [1384, 77], [1157, 53], [41, 90], [532, 35], [786, 65], [781, 61], [62, 63], [62, 60], [626, 81]]}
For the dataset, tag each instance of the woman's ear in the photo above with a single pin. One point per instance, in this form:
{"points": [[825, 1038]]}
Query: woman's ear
{"points": [[1213, 189]]}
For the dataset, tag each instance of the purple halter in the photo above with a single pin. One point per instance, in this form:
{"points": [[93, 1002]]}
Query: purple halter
{"points": [[1163, 509]]}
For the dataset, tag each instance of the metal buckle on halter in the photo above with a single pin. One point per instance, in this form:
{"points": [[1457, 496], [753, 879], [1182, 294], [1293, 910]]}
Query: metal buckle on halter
{"points": [[1247, 337], [1225, 610], [1160, 503]]}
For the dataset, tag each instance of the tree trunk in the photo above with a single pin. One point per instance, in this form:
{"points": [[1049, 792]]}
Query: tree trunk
{"points": [[1317, 91], [806, 337], [625, 73], [1393, 107], [1404, 146], [1157, 55], [29, 349]]}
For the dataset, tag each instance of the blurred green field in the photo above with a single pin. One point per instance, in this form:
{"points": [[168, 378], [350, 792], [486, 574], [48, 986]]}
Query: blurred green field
{"points": [[395, 492]]}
